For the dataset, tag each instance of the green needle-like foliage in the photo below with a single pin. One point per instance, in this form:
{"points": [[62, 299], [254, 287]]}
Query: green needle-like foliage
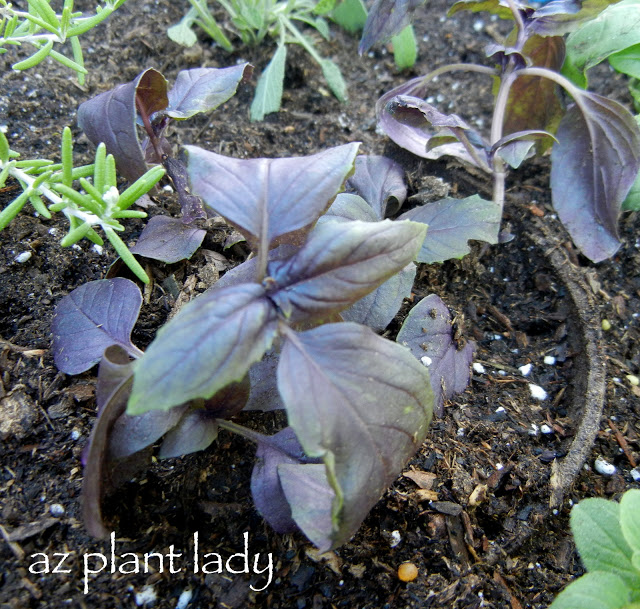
{"points": [[94, 202], [41, 28]]}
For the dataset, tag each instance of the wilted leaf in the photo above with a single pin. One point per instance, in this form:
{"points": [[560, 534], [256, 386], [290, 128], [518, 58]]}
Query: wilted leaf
{"points": [[93, 317], [380, 182], [268, 95], [111, 118], [593, 167], [211, 342], [516, 147], [362, 404], [428, 332], [339, 264], [267, 199], [204, 89], [168, 239], [452, 222]]}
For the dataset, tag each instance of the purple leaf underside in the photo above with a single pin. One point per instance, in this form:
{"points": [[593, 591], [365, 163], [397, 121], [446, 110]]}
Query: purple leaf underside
{"points": [[227, 329], [362, 404], [268, 200], [280, 449], [428, 332], [380, 182], [168, 239], [93, 317], [594, 164], [195, 431], [347, 207], [111, 118], [264, 393], [452, 222], [204, 89], [339, 264]]}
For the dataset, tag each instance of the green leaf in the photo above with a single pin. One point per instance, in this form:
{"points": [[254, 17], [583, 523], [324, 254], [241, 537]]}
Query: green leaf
{"points": [[324, 6], [615, 29], [594, 590], [334, 79], [632, 202], [599, 539], [210, 343], [627, 61], [269, 90], [181, 33], [405, 48], [630, 519], [350, 15]]}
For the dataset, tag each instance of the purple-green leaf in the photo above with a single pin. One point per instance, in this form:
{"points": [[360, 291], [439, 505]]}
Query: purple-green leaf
{"points": [[452, 222], [280, 449], [428, 332], [269, 199], [348, 207], [380, 182], [515, 148], [341, 263], [377, 309], [195, 431], [168, 239], [594, 164], [111, 118], [93, 317], [359, 402], [211, 342], [204, 89]]}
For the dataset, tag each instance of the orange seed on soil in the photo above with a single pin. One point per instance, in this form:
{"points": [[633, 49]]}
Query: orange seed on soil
{"points": [[407, 572]]}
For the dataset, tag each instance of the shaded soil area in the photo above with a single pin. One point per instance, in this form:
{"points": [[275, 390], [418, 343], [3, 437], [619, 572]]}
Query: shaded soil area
{"points": [[472, 510]]}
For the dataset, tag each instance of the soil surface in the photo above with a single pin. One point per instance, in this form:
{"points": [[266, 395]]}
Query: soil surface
{"points": [[472, 511]]}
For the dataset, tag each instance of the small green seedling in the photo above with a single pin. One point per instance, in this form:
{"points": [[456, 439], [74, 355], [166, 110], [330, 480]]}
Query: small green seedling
{"points": [[94, 203], [42, 28], [255, 20], [607, 536]]}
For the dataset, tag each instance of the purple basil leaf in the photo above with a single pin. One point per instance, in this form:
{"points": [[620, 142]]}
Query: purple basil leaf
{"points": [[190, 205], [196, 430], [204, 89], [386, 19], [93, 317], [230, 400], [361, 403], [517, 147], [380, 182], [264, 393], [348, 207], [131, 434], [419, 117], [310, 498], [563, 16], [111, 118], [452, 222], [378, 308], [268, 496], [593, 166], [428, 332], [267, 199], [339, 264], [168, 239], [95, 454], [534, 101], [211, 342]]}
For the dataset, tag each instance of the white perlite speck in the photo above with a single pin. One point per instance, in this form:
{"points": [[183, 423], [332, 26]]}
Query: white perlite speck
{"points": [[537, 392], [396, 538], [426, 360], [57, 509], [184, 599], [525, 370], [478, 367], [602, 466], [546, 429], [23, 257], [549, 360], [146, 596]]}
